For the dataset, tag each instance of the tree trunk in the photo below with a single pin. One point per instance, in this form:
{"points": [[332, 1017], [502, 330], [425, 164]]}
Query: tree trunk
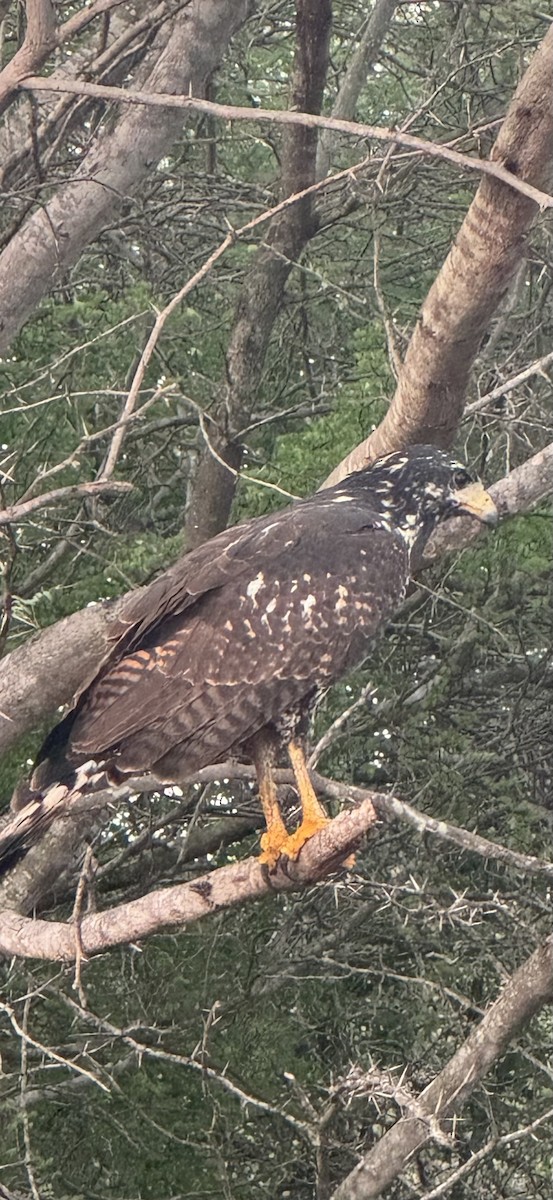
{"points": [[483, 261]]}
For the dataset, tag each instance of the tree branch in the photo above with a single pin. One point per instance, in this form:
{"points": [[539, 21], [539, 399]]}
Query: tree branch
{"points": [[40, 39], [183, 903], [525, 487], [18, 512], [355, 76], [232, 112], [55, 234], [212, 488], [225, 887], [480, 267], [528, 991]]}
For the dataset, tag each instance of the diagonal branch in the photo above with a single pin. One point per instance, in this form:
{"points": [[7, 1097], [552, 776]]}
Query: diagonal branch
{"points": [[528, 991], [365, 54], [187, 902], [54, 236], [480, 267], [227, 886]]}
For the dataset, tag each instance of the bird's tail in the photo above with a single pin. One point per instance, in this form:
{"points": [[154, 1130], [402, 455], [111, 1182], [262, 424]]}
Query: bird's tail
{"points": [[35, 817]]}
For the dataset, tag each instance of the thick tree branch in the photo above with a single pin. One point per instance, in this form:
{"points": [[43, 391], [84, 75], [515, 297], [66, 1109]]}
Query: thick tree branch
{"points": [[54, 236], [528, 991], [228, 886], [40, 39], [173, 906], [474, 278], [22, 142]]}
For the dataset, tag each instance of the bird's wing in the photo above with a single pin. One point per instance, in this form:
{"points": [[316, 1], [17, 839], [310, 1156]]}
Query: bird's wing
{"points": [[291, 611], [176, 591], [210, 566]]}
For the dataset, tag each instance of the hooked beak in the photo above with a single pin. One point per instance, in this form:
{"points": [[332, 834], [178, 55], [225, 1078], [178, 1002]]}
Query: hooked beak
{"points": [[477, 502]]}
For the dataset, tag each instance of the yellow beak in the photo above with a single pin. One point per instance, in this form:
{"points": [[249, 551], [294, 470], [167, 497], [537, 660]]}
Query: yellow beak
{"points": [[477, 502]]}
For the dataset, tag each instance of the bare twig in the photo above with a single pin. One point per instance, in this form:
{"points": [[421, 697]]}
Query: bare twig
{"points": [[230, 112], [538, 367], [143, 1050], [47, 1050], [80, 956], [23, 1103], [394, 355], [338, 724], [493, 1143], [391, 808], [18, 512]]}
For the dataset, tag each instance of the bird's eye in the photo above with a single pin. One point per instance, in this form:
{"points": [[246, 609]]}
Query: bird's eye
{"points": [[460, 479]]}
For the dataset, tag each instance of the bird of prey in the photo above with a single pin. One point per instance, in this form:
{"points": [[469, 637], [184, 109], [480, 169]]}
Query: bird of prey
{"points": [[225, 653]]}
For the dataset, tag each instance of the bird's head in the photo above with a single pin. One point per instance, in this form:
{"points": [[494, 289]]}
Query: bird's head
{"points": [[416, 488]]}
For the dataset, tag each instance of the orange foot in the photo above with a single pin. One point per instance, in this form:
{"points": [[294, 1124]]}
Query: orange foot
{"points": [[277, 842], [272, 843]]}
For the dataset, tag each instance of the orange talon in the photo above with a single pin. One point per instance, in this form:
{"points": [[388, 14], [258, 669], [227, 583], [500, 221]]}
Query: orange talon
{"points": [[276, 842], [296, 841], [273, 842]]}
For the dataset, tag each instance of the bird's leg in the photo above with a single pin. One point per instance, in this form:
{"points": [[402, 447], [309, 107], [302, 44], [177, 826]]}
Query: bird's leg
{"points": [[277, 834], [313, 815]]}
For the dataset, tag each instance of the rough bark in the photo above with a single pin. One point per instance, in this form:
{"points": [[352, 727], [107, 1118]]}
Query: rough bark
{"points": [[47, 877], [528, 991], [228, 886], [21, 142], [212, 488], [54, 236], [476, 274]]}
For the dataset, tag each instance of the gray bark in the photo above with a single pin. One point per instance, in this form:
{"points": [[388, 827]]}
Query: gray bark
{"points": [[53, 238], [528, 990]]}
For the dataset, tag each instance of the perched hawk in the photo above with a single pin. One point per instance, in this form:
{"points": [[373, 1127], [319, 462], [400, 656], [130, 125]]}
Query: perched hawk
{"points": [[224, 653]]}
